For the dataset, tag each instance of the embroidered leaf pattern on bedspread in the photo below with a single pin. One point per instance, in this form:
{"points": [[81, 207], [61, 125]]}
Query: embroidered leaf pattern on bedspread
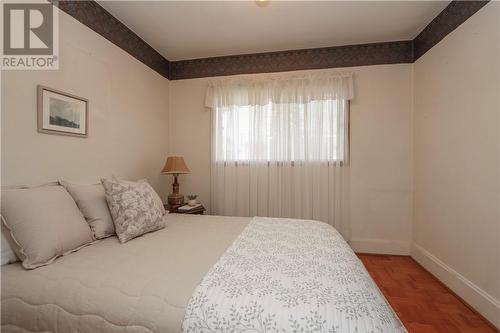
{"points": [[288, 275]]}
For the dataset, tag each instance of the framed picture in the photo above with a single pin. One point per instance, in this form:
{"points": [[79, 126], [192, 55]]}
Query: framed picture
{"points": [[62, 113]]}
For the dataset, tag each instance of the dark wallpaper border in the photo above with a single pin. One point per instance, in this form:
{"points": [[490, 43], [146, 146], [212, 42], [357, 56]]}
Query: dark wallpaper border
{"points": [[456, 13], [281, 61], [91, 14]]}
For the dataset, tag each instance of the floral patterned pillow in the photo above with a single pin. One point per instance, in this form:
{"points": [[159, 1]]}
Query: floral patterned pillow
{"points": [[135, 207]]}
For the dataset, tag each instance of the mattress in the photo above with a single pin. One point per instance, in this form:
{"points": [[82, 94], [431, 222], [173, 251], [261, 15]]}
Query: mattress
{"points": [[141, 286]]}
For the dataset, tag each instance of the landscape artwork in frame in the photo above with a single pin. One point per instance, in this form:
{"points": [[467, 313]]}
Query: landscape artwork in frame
{"points": [[62, 113]]}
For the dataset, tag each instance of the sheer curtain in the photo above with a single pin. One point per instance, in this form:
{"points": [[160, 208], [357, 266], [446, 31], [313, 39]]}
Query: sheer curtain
{"points": [[280, 147]]}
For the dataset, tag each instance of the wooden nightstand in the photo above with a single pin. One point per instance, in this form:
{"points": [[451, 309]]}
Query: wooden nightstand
{"points": [[199, 210]]}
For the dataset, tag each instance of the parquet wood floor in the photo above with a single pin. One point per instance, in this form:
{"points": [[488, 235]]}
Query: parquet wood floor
{"points": [[423, 304]]}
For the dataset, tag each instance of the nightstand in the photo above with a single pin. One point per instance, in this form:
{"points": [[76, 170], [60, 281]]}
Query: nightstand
{"points": [[199, 210]]}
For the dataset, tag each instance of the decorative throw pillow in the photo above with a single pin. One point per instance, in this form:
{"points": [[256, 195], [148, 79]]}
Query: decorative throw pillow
{"points": [[44, 223], [135, 207], [142, 180], [91, 200]]}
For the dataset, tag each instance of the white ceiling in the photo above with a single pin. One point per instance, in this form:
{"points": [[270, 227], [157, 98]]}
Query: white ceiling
{"points": [[196, 29]]}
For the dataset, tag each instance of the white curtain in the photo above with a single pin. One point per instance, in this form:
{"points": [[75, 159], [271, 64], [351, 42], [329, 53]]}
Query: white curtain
{"points": [[280, 147]]}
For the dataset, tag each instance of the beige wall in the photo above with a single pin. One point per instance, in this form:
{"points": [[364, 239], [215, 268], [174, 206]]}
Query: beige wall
{"points": [[381, 161], [128, 115], [433, 124], [456, 227]]}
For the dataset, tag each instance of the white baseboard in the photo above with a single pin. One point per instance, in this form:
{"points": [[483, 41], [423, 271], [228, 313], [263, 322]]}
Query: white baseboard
{"points": [[481, 301], [380, 246]]}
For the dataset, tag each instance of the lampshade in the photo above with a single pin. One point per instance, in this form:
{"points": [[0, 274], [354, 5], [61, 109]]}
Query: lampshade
{"points": [[175, 164]]}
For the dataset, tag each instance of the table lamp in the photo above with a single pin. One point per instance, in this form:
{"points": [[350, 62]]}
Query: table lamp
{"points": [[175, 165]]}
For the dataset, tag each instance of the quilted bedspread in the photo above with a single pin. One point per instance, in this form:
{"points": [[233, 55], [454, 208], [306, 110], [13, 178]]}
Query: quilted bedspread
{"points": [[142, 286], [287, 275], [202, 274]]}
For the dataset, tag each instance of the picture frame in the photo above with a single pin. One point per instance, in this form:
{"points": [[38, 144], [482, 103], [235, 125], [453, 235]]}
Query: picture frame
{"points": [[62, 113]]}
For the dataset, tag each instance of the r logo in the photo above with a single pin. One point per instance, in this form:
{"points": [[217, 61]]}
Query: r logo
{"points": [[28, 29]]}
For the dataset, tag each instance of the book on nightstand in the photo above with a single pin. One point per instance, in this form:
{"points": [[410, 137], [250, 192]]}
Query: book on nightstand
{"points": [[186, 208]]}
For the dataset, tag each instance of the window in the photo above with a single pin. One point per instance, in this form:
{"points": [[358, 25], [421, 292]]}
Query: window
{"points": [[316, 131], [279, 146]]}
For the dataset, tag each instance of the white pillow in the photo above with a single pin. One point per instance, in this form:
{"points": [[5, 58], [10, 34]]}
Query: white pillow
{"points": [[91, 201], [44, 223], [7, 255]]}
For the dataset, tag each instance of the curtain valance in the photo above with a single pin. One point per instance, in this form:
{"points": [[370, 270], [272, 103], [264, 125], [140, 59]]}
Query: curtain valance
{"points": [[280, 90]]}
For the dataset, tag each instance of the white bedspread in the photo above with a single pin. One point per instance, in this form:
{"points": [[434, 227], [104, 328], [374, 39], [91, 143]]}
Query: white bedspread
{"points": [[287, 275]]}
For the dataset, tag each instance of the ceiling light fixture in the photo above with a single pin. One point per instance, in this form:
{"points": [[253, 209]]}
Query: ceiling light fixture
{"points": [[262, 3]]}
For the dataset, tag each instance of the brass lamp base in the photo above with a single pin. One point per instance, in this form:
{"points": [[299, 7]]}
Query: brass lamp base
{"points": [[175, 200]]}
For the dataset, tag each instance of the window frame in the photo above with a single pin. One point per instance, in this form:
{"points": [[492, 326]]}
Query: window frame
{"points": [[345, 162]]}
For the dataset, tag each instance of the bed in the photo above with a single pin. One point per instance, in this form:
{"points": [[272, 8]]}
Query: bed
{"points": [[202, 274]]}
